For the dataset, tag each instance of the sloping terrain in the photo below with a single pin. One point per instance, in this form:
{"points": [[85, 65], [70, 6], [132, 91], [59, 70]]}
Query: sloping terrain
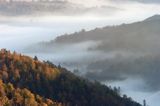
{"points": [[140, 36], [56, 83], [10, 96]]}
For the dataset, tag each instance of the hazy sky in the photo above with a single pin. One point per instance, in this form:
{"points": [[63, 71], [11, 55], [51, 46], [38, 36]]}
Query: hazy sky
{"points": [[101, 9]]}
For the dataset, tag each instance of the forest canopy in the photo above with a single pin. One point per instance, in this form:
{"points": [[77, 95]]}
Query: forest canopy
{"points": [[28, 77]]}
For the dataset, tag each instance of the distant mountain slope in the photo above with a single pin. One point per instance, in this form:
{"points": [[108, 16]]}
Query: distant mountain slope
{"points": [[56, 83], [143, 36], [135, 37], [155, 17]]}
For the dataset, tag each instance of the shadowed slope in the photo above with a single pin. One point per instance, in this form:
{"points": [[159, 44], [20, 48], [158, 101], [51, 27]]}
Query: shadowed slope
{"points": [[56, 83]]}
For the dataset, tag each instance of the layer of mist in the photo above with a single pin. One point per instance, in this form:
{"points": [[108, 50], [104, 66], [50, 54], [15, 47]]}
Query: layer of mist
{"points": [[114, 54]]}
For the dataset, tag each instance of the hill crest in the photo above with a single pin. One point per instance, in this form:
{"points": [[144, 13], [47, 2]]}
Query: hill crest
{"points": [[56, 83]]}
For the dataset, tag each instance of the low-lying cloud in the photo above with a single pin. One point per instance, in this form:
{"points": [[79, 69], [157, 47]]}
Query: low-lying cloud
{"points": [[145, 67]]}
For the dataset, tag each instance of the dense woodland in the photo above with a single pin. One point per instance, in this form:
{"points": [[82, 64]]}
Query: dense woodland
{"points": [[10, 96], [138, 35], [26, 81]]}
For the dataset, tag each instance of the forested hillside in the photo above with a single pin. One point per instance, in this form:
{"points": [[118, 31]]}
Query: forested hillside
{"points": [[10, 96], [138, 36], [19, 73]]}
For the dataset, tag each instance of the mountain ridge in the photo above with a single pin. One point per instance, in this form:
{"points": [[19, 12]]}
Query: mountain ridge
{"points": [[105, 32], [154, 17], [56, 83], [134, 36]]}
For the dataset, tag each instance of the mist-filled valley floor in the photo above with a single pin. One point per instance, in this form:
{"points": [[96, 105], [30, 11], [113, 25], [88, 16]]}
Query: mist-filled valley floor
{"points": [[126, 56]]}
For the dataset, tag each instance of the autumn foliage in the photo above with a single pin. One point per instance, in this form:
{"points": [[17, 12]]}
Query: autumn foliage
{"points": [[26, 81]]}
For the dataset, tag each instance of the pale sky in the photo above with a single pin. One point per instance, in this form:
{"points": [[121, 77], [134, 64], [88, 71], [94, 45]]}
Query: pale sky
{"points": [[102, 9]]}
